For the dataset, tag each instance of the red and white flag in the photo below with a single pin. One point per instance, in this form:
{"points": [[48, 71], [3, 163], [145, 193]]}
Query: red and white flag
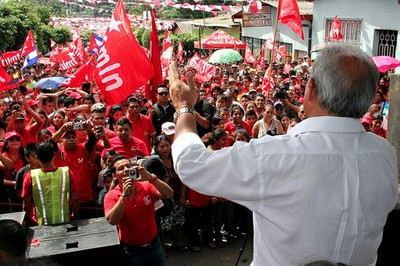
{"points": [[167, 54], [4, 79], [204, 70], [10, 58], [79, 49], [29, 45], [52, 43], [179, 52], [67, 60], [336, 30], [248, 56], [83, 74], [122, 66], [289, 14], [154, 54]]}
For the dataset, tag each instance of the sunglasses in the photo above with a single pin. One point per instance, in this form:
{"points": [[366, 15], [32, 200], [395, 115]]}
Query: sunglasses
{"points": [[14, 139], [163, 93]]}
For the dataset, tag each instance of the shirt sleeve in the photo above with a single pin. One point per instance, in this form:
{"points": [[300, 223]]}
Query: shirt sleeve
{"points": [[236, 179]]}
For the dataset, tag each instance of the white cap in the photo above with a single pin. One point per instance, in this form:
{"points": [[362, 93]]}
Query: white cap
{"points": [[168, 128]]}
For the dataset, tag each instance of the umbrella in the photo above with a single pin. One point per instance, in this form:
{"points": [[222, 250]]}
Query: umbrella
{"points": [[225, 56], [49, 83], [385, 63]]}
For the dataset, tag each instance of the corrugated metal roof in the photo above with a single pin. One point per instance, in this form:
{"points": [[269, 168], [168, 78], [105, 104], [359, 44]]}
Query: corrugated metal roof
{"points": [[305, 7], [184, 27], [222, 21]]}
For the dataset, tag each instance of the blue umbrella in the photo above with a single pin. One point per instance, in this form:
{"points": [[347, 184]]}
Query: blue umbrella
{"points": [[49, 83]]}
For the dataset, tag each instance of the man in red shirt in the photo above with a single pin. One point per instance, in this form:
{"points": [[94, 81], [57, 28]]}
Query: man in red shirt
{"points": [[142, 126], [77, 156], [124, 143], [130, 205]]}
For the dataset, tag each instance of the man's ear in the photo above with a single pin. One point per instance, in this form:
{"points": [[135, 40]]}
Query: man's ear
{"points": [[312, 88]]}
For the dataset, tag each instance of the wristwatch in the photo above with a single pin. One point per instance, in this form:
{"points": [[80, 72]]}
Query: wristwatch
{"points": [[183, 110]]}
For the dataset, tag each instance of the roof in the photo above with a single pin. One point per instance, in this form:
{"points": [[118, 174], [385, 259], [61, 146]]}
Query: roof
{"points": [[184, 27], [222, 21], [305, 7]]}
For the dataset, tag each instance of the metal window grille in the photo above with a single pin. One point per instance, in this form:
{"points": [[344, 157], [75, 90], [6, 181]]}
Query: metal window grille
{"points": [[386, 42], [351, 30]]}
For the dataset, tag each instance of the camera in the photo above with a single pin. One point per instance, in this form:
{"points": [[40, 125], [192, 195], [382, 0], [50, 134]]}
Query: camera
{"points": [[16, 107], [77, 124], [132, 173], [99, 129]]}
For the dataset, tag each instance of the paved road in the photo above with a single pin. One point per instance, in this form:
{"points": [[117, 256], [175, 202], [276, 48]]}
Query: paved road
{"points": [[226, 256]]}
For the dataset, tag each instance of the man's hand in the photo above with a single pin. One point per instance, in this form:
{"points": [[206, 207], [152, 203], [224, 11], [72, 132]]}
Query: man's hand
{"points": [[182, 94]]}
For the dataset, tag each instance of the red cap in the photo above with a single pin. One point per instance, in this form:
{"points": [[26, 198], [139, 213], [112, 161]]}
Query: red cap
{"points": [[32, 102], [366, 119], [11, 134], [75, 95]]}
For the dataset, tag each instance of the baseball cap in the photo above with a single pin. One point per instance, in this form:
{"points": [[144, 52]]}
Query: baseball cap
{"points": [[366, 119], [32, 102], [168, 128], [234, 65], [293, 77], [278, 103], [98, 106], [252, 90], [11, 134], [231, 80], [305, 64], [75, 95]]}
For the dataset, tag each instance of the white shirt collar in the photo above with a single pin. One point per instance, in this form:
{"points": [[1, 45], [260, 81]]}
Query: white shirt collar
{"points": [[327, 124]]}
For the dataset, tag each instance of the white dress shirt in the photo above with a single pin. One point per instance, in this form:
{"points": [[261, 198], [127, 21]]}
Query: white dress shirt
{"points": [[322, 191]]}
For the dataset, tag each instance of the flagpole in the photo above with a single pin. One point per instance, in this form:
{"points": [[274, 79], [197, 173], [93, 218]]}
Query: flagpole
{"points": [[275, 30]]}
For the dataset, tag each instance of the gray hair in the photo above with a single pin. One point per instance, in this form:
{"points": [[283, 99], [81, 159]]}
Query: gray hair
{"points": [[346, 80]]}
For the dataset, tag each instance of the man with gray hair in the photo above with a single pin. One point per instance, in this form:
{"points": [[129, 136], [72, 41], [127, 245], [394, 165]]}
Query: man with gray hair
{"points": [[323, 190]]}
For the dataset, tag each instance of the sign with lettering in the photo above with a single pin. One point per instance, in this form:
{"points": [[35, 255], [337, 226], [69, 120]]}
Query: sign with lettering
{"points": [[260, 19]]}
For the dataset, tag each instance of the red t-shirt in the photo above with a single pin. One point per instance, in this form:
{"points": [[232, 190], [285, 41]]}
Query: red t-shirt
{"points": [[135, 147], [138, 223], [27, 187], [231, 128], [142, 129], [78, 162], [17, 165], [197, 199]]}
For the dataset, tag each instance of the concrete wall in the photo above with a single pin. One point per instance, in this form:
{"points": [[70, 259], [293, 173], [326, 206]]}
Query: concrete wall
{"points": [[382, 14]]}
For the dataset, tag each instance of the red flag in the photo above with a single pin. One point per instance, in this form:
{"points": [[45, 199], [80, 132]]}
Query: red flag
{"points": [[10, 58], [167, 54], [204, 70], [4, 79], [83, 74], [122, 66], [154, 52], [336, 30], [289, 15], [248, 56], [79, 49], [267, 83], [253, 7], [179, 52], [67, 60], [29, 44]]}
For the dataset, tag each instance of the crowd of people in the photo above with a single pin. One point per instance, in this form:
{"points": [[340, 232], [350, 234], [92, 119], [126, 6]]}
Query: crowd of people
{"points": [[69, 147]]}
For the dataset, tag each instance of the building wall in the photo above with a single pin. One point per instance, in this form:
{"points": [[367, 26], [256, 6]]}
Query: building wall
{"points": [[375, 15], [284, 34]]}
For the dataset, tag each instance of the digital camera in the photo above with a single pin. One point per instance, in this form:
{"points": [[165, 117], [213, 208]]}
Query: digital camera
{"points": [[132, 173], [77, 124]]}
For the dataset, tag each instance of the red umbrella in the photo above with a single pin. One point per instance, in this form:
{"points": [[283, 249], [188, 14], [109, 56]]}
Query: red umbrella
{"points": [[385, 63]]}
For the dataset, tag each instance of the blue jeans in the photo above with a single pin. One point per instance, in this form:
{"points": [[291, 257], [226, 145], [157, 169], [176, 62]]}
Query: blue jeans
{"points": [[152, 255]]}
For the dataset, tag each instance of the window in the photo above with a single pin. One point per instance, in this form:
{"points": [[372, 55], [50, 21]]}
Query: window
{"points": [[385, 42], [351, 30]]}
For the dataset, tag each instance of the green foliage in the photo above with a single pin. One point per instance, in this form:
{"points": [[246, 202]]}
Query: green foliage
{"points": [[139, 34], [186, 39], [146, 38]]}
